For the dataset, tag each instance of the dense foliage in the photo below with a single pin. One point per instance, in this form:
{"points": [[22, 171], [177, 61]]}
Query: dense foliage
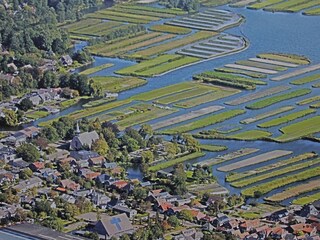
{"points": [[186, 5]]}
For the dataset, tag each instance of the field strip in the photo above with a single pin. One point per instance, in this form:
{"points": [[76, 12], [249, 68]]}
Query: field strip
{"points": [[308, 100], [274, 62], [261, 65], [291, 58], [96, 69], [175, 161], [295, 191], [280, 182], [185, 117], [228, 157], [266, 115], [299, 129], [257, 95], [255, 160], [305, 80], [286, 118], [237, 176], [289, 169], [242, 3], [297, 72], [253, 69], [307, 199], [203, 122]]}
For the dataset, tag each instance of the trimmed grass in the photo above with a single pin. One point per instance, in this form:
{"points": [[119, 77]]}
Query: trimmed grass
{"points": [[213, 119], [98, 102], [241, 72], [276, 173], [290, 58], [305, 5], [307, 199], [314, 11], [147, 53], [263, 4], [37, 114], [175, 11], [111, 13], [99, 29], [309, 100], [210, 97], [212, 148], [237, 176], [315, 105], [285, 6], [279, 98], [300, 129], [175, 161], [158, 65], [170, 29], [295, 191], [305, 80], [280, 182], [250, 135], [286, 118], [96, 69], [267, 114], [87, 22], [118, 84], [228, 80]]}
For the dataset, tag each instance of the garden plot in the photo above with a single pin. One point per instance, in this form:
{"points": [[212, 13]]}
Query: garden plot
{"points": [[296, 159], [252, 69], [185, 117], [228, 157], [292, 5], [297, 72], [295, 191], [312, 12], [255, 160], [274, 62], [261, 65], [214, 47], [257, 95], [98, 29], [267, 114], [307, 199], [212, 20], [305, 80], [289, 58], [309, 100], [249, 135], [241, 72]]}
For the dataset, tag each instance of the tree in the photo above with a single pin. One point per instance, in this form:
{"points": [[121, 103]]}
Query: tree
{"points": [[25, 104], [147, 157], [191, 143], [145, 131], [25, 173], [186, 215], [173, 221], [28, 152], [50, 133], [139, 193], [179, 179], [101, 146], [10, 118]]}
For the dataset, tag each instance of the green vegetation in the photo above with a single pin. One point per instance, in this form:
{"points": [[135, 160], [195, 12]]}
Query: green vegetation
{"points": [[279, 98], [87, 22], [209, 97], [315, 105], [308, 100], [174, 11], [213, 119], [275, 173], [99, 29], [307, 199], [175, 161], [144, 54], [170, 29], [214, 3], [289, 6], [263, 4], [250, 135], [37, 114], [299, 130], [261, 65], [200, 90], [286, 118], [290, 58], [316, 85], [228, 80], [96, 69], [305, 80], [118, 84], [241, 72], [157, 65], [280, 182], [213, 148], [237, 176], [98, 102], [304, 5], [314, 11]]}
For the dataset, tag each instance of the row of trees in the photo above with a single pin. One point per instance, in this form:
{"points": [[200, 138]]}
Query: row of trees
{"points": [[186, 5]]}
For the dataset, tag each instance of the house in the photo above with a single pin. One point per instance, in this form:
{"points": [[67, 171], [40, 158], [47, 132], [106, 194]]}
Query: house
{"points": [[36, 99], [19, 163], [84, 140], [131, 213], [69, 184], [66, 60], [49, 174], [104, 178], [120, 184], [7, 211], [88, 174], [24, 186], [83, 155], [100, 199], [68, 198], [189, 234], [297, 229], [96, 161], [220, 220], [308, 210], [36, 166], [114, 226]]}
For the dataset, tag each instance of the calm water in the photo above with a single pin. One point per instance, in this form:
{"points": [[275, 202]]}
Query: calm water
{"points": [[266, 32]]}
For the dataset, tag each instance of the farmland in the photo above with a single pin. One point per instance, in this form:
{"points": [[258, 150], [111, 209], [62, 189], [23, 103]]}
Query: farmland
{"points": [[96, 69], [286, 118], [255, 160], [306, 200], [220, 117], [170, 29], [279, 98], [305, 80], [250, 135]]}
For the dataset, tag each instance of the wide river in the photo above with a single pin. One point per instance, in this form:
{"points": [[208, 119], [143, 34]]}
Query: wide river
{"points": [[266, 32]]}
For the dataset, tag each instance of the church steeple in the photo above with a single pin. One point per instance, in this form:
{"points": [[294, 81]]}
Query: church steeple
{"points": [[78, 129]]}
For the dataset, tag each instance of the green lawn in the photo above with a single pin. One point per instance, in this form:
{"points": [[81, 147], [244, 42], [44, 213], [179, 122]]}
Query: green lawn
{"points": [[307, 199], [96, 69], [170, 29], [305, 80], [250, 135], [290, 58], [212, 148]]}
